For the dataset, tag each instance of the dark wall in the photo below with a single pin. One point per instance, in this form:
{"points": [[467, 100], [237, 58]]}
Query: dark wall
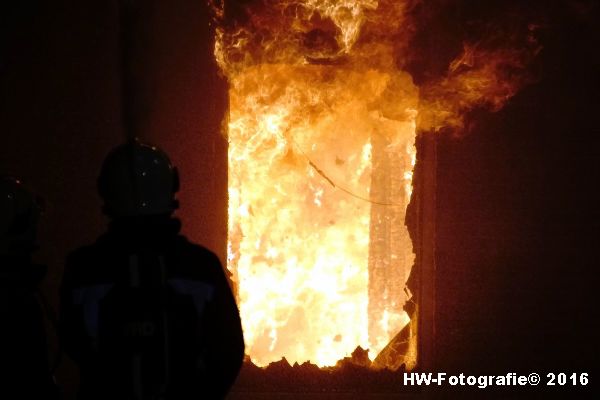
{"points": [[60, 112], [517, 218]]}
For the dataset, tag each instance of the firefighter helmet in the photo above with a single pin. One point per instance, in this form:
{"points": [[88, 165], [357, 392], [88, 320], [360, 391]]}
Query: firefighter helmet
{"points": [[137, 179]]}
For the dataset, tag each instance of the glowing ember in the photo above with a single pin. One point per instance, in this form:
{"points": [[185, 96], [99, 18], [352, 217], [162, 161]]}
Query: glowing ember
{"points": [[321, 133]]}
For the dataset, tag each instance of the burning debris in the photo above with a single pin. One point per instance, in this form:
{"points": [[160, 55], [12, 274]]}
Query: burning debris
{"points": [[350, 376], [321, 129]]}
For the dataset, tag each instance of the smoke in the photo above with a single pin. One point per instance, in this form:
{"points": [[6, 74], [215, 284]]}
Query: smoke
{"points": [[468, 55], [462, 55]]}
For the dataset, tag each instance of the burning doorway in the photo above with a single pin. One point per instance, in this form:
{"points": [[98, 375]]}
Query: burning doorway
{"points": [[322, 127], [317, 241], [321, 152]]}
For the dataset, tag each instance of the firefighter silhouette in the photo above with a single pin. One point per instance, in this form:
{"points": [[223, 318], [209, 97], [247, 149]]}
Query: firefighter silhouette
{"points": [[23, 341], [145, 313]]}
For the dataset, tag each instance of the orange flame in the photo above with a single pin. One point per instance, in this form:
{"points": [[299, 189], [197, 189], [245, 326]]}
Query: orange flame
{"points": [[321, 133]]}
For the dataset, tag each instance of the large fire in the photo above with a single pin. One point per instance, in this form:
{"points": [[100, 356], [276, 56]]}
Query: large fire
{"points": [[321, 130]]}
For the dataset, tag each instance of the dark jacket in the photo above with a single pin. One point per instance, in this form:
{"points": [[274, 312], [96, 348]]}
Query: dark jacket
{"points": [[23, 344], [145, 314]]}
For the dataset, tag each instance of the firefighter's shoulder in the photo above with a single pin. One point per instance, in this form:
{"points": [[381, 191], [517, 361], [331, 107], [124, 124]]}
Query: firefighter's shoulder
{"points": [[196, 259]]}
